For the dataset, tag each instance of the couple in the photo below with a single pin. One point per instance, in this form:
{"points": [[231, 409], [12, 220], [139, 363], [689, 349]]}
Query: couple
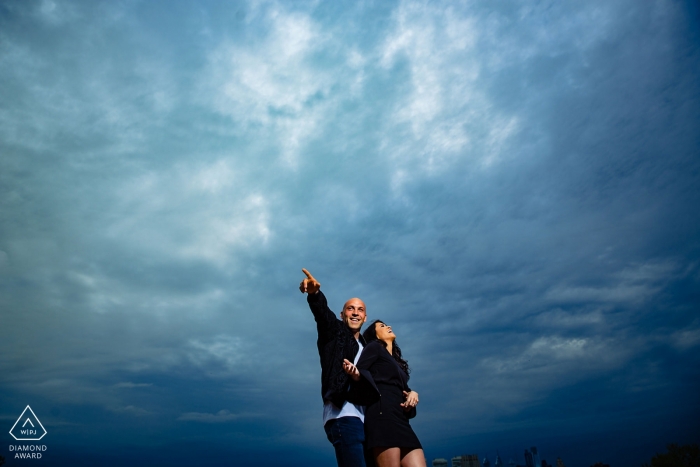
{"points": [[363, 380]]}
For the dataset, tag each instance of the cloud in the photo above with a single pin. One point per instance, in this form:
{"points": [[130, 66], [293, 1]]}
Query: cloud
{"points": [[135, 411], [441, 116], [551, 355], [511, 186], [225, 350], [130, 385], [221, 416], [686, 339], [194, 212], [274, 85]]}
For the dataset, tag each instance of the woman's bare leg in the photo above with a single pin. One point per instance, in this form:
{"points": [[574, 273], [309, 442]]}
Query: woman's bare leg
{"points": [[388, 457], [412, 458]]}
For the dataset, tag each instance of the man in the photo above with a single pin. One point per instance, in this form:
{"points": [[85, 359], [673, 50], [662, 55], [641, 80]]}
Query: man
{"points": [[338, 339]]}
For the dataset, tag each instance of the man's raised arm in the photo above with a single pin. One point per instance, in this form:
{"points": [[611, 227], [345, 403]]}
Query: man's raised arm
{"points": [[326, 322]]}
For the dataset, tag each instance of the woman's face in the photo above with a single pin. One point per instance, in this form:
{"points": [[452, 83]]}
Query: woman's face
{"points": [[384, 332]]}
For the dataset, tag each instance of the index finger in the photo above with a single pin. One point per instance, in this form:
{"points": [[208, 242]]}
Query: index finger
{"points": [[308, 274]]}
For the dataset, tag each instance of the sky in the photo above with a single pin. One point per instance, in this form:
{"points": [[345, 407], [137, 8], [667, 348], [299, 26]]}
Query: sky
{"points": [[509, 184]]}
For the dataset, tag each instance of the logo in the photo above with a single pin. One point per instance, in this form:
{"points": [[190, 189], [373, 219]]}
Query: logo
{"points": [[28, 427]]}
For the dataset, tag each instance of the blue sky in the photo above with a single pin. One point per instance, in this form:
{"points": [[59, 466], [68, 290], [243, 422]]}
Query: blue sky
{"points": [[510, 185]]}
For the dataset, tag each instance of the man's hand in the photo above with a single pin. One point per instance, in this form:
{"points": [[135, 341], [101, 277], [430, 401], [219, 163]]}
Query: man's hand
{"points": [[309, 285], [351, 369], [411, 400]]}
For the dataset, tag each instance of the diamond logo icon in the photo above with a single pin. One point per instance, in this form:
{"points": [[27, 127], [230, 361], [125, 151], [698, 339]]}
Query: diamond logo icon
{"points": [[28, 427]]}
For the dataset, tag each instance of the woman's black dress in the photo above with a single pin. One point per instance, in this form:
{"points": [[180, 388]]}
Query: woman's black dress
{"points": [[386, 423]]}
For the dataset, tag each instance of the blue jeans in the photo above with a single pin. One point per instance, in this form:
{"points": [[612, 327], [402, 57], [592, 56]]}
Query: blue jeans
{"points": [[347, 435]]}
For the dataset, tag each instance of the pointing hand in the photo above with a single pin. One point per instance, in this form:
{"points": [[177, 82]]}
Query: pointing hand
{"points": [[309, 285]]}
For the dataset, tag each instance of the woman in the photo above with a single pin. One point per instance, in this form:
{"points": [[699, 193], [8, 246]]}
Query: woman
{"points": [[382, 376]]}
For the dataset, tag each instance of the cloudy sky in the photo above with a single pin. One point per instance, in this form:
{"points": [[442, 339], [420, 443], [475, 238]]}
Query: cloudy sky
{"points": [[510, 184]]}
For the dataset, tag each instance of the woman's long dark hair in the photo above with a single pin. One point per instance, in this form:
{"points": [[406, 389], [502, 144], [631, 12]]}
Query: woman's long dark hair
{"points": [[370, 335]]}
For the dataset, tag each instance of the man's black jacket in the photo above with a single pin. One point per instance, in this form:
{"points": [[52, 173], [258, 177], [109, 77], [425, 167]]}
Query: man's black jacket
{"points": [[335, 342]]}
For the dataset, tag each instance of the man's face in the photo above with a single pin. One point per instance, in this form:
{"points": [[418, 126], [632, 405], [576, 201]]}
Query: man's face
{"points": [[353, 314]]}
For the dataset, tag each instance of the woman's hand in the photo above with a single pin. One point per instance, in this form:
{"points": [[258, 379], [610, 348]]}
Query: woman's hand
{"points": [[411, 400], [351, 369]]}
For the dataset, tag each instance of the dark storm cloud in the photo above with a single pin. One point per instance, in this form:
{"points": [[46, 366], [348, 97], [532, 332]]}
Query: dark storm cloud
{"points": [[511, 186]]}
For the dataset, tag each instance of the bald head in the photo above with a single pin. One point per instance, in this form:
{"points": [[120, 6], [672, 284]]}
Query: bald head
{"points": [[354, 315], [354, 301]]}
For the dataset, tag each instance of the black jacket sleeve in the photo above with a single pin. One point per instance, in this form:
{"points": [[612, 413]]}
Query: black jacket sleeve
{"points": [[369, 355], [326, 321]]}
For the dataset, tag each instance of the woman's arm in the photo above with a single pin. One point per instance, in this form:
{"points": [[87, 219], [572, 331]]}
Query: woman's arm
{"points": [[367, 358], [363, 390], [369, 355]]}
